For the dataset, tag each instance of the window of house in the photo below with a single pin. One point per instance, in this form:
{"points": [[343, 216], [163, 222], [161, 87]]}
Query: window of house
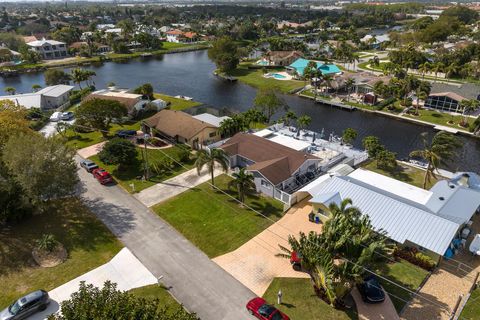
{"points": [[265, 184], [212, 134]]}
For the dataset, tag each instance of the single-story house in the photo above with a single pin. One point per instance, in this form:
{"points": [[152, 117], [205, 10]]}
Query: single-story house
{"points": [[134, 102], [282, 58], [299, 65], [51, 97], [425, 219], [273, 165], [182, 127]]}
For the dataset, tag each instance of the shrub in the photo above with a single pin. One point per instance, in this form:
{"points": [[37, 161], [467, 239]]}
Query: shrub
{"points": [[47, 242], [385, 103], [119, 151], [78, 95], [415, 257]]}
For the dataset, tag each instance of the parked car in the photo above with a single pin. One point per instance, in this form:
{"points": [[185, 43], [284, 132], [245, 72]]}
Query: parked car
{"points": [[371, 290], [126, 133], [26, 306], [56, 116], [88, 165], [296, 260], [102, 176], [262, 310], [67, 115]]}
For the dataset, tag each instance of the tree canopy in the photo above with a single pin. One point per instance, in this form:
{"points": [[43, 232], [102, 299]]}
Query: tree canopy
{"points": [[224, 52], [119, 151], [56, 76], [98, 114], [94, 303]]}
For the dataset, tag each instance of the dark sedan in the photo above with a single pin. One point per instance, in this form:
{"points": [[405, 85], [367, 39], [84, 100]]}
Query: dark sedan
{"points": [[26, 306]]}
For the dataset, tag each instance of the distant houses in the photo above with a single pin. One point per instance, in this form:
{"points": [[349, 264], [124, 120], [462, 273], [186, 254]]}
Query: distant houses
{"points": [[48, 98], [49, 49]]}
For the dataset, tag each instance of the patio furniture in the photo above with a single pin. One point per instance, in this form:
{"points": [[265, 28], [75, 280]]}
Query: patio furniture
{"points": [[465, 232], [475, 245]]}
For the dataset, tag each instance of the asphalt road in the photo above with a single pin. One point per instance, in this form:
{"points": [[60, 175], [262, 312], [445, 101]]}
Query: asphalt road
{"points": [[194, 280]]}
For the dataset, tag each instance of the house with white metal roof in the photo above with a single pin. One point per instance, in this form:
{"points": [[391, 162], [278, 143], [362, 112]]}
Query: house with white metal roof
{"points": [[427, 219], [49, 49], [51, 97]]}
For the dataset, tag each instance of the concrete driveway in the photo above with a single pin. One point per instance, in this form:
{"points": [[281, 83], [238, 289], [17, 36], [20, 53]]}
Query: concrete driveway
{"points": [[124, 269], [255, 265], [174, 186], [87, 152], [378, 311], [50, 128], [192, 278]]}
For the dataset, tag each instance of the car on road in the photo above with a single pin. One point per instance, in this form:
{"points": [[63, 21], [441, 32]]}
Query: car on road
{"points": [[296, 260], [371, 290], [126, 133], [67, 115], [264, 311], [88, 165], [102, 176], [26, 306]]}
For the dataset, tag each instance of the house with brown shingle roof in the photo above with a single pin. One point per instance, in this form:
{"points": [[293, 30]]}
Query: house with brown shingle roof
{"points": [[275, 167], [182, 128]]}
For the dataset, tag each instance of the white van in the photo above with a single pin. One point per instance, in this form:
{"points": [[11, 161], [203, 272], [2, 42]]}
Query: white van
{"points": [[56, 116]]}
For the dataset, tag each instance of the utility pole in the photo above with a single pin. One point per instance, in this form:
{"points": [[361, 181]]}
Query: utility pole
{"points": [[146, 156]]}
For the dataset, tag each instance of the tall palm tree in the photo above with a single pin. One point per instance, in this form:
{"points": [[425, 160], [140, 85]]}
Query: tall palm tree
{"points": [[78, 76], [243, 182], [438, 151], [289, 117], [424, 68], [210, 157], [437, 67], [303, 122], [349, 84]]}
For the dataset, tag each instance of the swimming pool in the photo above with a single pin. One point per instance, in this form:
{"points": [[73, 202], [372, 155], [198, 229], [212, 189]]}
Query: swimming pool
{"points": [[278, 76], [262, 63]]}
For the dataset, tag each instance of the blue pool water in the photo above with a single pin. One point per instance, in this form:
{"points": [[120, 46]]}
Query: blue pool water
{"points": [[262, 63], [278, 76]]}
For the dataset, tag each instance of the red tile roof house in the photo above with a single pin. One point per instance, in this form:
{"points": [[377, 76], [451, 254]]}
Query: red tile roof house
{"points": [[276, 168], [178, 36]]}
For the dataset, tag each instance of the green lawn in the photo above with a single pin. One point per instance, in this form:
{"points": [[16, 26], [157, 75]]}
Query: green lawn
{"points": [[255, 78], [471, 311], [300, 302], [214, 222], [403, 273], [175, 103], [403, 173], [440, 118], [88, 242], [159, 292], [82, 140], [129, 175]]}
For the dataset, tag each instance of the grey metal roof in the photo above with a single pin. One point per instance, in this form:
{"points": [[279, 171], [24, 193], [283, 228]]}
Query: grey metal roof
{"points": [[55, 91], [466, 90], [27, 100], [401, 219]]}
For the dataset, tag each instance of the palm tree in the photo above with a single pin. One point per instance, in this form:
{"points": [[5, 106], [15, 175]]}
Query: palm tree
{"points": [[437, 67], [303, 122], [289, 117], [243, 182], [78, 75], [209, 158], [327, 80], [424, 68], [440, 150], [421, 95], [10, 90], [349, 84], [36, 87], [468, 106]]}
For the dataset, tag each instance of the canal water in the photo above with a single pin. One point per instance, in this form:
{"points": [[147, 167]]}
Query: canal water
{"points": [[190, 74]]}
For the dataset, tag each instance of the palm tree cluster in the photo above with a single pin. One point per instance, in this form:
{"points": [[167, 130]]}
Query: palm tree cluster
{"points": [[439, 151], [335, 259], [79, 75], [346, 53], [241, 122]]}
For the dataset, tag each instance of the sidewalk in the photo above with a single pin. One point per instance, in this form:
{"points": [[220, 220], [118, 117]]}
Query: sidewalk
{"points": [[174, 186], [124, 269]]}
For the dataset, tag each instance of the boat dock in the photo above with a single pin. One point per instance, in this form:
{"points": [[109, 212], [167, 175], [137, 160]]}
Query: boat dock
{"points": [[335, 104], [225, 77]]}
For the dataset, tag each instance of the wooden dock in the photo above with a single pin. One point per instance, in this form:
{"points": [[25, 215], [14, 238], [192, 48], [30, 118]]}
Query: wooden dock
{"points": [[335, 104]]}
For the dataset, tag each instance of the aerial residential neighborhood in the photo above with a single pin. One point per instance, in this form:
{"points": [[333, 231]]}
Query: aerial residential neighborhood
{"points": [[239, 160]]}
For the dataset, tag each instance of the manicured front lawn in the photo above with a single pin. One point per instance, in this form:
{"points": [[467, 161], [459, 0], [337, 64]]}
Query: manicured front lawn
{"points": [[440, 118], [79, 140], [405, 274], [175, 103], [88, 242], [471, 311], [214, 222], [403, 173], [299, 301], [159, 292], [129, 175], [255, 78]]}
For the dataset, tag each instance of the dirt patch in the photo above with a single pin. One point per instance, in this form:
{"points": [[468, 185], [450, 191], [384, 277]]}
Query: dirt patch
{"points": [[51, 259]]}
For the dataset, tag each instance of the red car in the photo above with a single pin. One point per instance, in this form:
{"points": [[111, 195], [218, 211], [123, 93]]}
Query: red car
{"points": [[102, 176], [263, 311], [296, 260]]}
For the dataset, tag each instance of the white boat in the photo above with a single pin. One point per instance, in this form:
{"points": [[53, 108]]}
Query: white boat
{"points": [[184, 98]]}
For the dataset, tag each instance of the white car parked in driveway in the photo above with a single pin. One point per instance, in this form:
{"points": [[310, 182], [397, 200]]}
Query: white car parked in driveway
{"points": [[56, 116]]}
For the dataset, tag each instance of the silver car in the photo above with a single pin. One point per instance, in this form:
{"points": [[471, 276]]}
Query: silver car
{"points": [[26, 306]]}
